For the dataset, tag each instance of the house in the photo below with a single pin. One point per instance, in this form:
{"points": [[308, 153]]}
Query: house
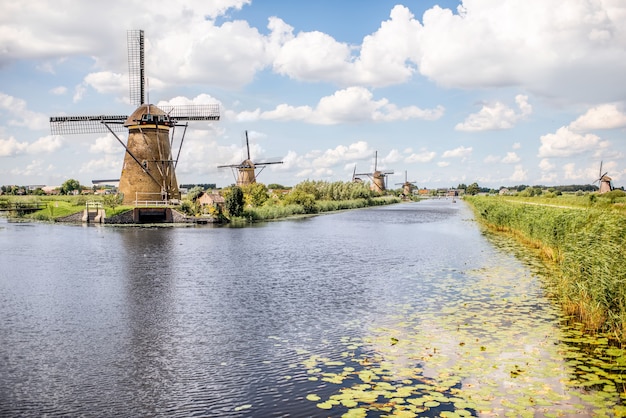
{"points": [[210, 199]]}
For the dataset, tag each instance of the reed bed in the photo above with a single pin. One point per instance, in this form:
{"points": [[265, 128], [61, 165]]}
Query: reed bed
{"points": [[586, 247], [277, 211]]}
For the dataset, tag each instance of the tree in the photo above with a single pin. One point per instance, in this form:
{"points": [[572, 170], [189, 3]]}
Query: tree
{"points": [[70, 186], [234, 201], [255, 194], [472, 189]]}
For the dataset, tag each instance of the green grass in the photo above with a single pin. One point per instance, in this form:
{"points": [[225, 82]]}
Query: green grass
{"points": [[587, 248], [277, 211]]}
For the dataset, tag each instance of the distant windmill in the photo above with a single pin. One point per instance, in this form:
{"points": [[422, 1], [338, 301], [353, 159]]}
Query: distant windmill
{"points": [[148, 170], [605, 181], [356, 179], [379, 178], [246, 172], [407, 186]]}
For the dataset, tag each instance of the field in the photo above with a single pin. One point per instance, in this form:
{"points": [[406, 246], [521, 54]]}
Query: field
{"points": [[584, 238]]}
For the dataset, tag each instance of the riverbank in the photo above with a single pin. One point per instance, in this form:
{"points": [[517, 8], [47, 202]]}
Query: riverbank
{"points": [[70, 209], [586, 247]]}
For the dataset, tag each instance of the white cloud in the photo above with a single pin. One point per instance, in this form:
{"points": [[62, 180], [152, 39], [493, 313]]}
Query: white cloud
{"points": [[496, 116], [353, 104], [20, 114], [546, 165], [47, 144], [340, 154], [565, 143], [443, 164], [460, 152], [548, 46], [423, 156], [59, 91], [511, 158], [106, 145], [517, 145], [605, 116], [10, 147], [519, 175]]}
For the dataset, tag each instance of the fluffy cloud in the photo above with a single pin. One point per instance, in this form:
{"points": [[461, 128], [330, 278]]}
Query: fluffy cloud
{"points": [[20, 115], [566, 143], [460, 152], [605, 116], [496, 116], [548, 46], [10, 147], [351, 105], [423, 156], [47, 144]]}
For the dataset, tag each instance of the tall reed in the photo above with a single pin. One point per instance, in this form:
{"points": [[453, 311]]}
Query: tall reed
{"points": [[587, 247]]}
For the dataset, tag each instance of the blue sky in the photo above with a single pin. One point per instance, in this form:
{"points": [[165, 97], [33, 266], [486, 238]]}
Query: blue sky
{"points": [[495, 92]]}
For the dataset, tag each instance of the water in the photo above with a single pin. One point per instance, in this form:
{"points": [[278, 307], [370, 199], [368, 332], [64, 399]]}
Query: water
{"points": [[215, 321]]}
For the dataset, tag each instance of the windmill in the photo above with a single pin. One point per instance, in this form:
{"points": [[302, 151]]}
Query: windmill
{"points": [[379, 178], [356, 179], [407, 186], [604, 181], [148, 172], [246, 172]]}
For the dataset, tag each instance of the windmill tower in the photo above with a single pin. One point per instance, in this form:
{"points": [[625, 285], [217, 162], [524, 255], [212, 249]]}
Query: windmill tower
{"points": [[605, 181], [148, 171], [407, 186], [246, 172], [379, 178]]}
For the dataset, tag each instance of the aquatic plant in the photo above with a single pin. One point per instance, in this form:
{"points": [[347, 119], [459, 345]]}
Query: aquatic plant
{"points": [[587, 247]]}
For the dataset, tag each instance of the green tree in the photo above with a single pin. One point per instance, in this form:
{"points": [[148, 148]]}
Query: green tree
{"points": [[255, 194], [69, 186], [472, 189], [194, 193], [233, 201]]}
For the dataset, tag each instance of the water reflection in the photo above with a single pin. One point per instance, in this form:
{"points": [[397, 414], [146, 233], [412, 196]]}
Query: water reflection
{"points": [[227, 321]]}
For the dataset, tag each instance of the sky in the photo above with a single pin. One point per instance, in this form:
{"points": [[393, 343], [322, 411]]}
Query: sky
{"points": [[444, 92]]}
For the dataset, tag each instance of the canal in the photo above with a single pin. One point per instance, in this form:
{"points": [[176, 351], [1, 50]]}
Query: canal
{"points": [[407, 309]]}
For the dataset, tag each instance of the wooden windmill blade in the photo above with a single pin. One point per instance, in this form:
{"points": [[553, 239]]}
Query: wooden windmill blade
{"points": [[136, 67], [68, 125], [192, 112]]}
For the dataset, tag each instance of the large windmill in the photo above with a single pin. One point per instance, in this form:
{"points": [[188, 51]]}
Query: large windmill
{"points": [[246, 171], [148, 173], [407, 186], [605, 181], [379, 178]]}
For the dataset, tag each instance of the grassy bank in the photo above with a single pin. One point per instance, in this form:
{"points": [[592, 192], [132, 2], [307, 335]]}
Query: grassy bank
{"points": [[270, 212], [58, 206], [586, 246]]}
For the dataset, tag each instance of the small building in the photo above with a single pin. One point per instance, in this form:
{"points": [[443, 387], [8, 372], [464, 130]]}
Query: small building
{"points": [[210, 199]]}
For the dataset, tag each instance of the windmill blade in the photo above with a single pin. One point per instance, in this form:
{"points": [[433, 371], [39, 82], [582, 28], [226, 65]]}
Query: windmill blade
{"points": [[136, 68], [600, 172], [67, 125], [268, 163], [192, 112]]}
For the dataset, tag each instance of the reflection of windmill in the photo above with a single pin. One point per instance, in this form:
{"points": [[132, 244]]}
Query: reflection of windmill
{"points": [[245, 172], [407, 186], [605, 181], [148, 170], [379, 178]]}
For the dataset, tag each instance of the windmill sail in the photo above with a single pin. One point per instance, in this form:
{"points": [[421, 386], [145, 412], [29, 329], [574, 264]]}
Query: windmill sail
{"points": [[246, 171], [148, 170]]}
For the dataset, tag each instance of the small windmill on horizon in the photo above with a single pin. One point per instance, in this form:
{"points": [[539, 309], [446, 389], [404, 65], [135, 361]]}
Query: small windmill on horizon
{"points": [[606, 184], [148, 171], [407, 186], [246, 172], [379, 178]]}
